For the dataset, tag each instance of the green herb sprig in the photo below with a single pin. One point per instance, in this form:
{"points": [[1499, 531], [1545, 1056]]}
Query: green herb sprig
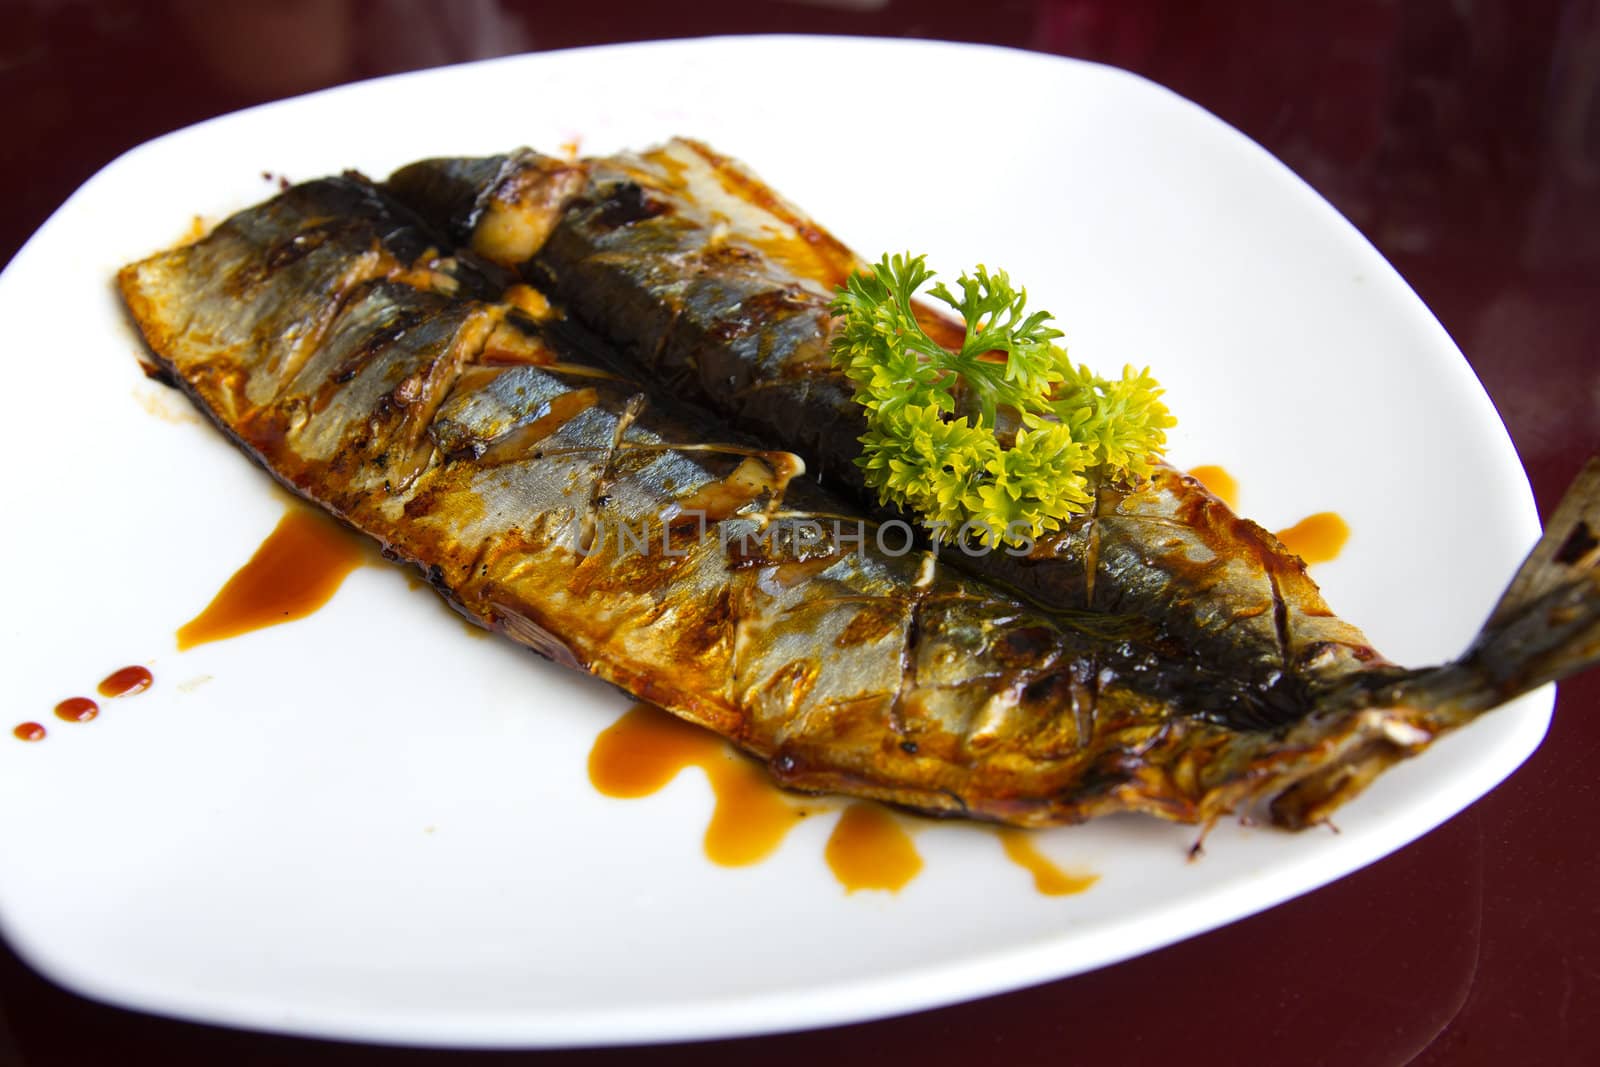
{"points": [[1006, 436]]}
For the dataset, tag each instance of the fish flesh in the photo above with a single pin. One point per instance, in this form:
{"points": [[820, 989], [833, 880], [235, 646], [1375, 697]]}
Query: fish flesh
{"points": [[426, 396]]}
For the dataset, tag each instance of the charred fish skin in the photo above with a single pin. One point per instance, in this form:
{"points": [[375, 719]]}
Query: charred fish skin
{"points": [[486, 452], [718, 289]]}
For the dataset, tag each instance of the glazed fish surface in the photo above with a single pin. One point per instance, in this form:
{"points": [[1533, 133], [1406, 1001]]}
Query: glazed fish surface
{"points": [[433, 402], [718, 290]]}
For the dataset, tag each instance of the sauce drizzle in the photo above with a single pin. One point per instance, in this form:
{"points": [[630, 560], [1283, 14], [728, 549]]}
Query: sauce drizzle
{"points": [[124, 683], [1223, 486], [1048, 879], [296, 570], [646, 748], [1316, 538], [76, 709], [869, 849], [28, 731]]}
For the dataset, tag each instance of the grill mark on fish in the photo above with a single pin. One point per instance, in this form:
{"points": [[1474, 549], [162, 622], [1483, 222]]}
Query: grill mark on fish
{"points": [[656, 353], [911, 637], [597, 495], [1280, 620], [1084, 712], [517, 443], [343, 292], [342, 374]]}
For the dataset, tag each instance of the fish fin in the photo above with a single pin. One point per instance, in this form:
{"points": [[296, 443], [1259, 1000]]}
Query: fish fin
{"points": [[1547, 624]]}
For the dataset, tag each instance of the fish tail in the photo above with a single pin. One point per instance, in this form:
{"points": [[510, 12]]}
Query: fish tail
{"points": [[1545, 627], [1547, 624]]}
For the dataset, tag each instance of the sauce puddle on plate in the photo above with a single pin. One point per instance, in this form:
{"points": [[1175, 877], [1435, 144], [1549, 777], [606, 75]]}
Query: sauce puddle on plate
{"points": [[1317, 538], [1221, 484], [869, 849], [646, 748], [296, 570], [1048, 879]]}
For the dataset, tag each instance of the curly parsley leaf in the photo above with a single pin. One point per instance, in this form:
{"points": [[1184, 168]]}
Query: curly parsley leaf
{"points": [[1005, 435]]}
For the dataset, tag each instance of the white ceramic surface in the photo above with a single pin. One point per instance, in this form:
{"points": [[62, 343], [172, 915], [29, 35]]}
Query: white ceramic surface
{"points": [[369, 825]]}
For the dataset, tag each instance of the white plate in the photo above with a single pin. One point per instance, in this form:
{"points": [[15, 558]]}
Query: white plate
{"points": [[369, 825]]}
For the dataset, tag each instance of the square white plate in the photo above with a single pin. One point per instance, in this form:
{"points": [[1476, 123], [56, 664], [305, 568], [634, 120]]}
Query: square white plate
{"points": [[370, 825]]}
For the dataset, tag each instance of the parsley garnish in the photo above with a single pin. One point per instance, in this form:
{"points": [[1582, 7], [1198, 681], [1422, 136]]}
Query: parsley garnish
{"points": [[1005, 437]]}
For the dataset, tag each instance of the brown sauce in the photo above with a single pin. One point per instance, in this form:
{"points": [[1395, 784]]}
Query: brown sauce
{"points": [[1223, 486], [125, 682], [646, 748], [869, 849], [296, 570], [1316, 538], [76, 709], [28, 731], [1048, 879]]}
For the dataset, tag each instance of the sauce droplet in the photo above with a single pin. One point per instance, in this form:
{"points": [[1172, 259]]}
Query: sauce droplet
{"points": [[76, 709], [1221, 484], [125, 683], [1316, 538], [646, 748], [28, 731], [1048, 879], [296, 570], [869, 849]]}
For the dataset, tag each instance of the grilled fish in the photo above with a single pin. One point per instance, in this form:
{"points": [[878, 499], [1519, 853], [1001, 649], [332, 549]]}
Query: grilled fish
{"points": [[718, 290], [433, 402]]}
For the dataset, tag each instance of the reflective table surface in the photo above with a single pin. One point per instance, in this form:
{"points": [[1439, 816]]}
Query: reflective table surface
{"points": [[1463, 139]]}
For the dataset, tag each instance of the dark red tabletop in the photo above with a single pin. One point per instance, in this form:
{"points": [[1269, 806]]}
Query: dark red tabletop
{"points": [[1463, 139]]}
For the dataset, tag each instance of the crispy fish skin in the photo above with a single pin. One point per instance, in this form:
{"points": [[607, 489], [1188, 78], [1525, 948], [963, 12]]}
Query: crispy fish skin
{"points": [[719, 290], [327, 334]]}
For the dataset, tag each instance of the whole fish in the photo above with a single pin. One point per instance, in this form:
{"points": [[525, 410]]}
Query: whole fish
{"points": [[429, 400]]}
